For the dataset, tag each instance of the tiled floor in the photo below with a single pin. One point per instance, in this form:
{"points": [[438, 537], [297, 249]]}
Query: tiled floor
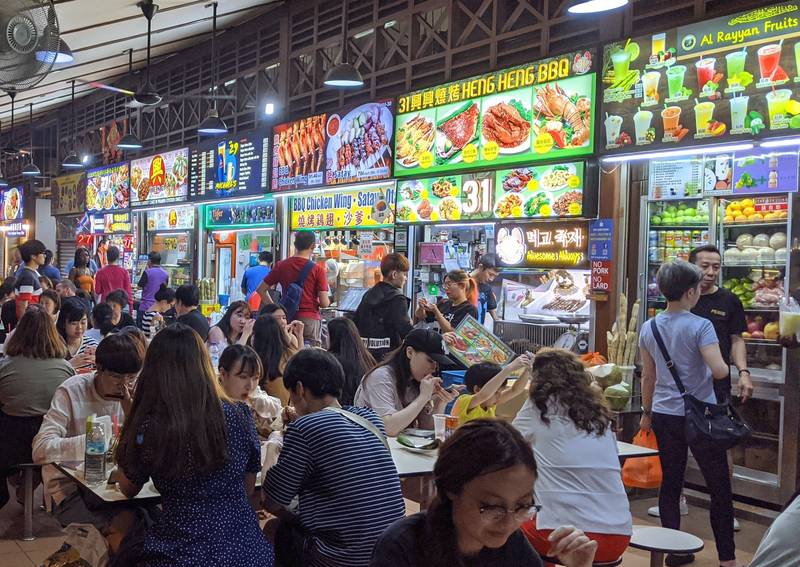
{"points": [[17, 553]]}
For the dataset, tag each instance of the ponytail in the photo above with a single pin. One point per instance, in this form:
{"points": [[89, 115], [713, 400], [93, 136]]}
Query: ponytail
{"points": [[472, 291], [470, 285]]}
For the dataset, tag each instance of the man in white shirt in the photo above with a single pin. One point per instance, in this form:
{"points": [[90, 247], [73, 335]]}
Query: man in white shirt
{"points": [[62, 436]]}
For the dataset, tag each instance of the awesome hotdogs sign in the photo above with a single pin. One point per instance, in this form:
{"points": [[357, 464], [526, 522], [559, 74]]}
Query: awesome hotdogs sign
{"points": [[541, 110], [726, 78]]}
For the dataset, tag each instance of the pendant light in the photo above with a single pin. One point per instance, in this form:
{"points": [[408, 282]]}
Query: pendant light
{"points": [[129, 141], [595, 6], [31, 170], [344, 75], [212, 124], [62, 55], [72, 161], [10, 149]]}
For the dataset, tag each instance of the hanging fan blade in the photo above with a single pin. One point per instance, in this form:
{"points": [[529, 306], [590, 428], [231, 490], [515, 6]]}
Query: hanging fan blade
{"points": [[98, 85]]}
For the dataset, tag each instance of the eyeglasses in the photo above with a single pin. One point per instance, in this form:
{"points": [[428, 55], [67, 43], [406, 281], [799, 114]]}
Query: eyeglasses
{"points": [[496, 514]]}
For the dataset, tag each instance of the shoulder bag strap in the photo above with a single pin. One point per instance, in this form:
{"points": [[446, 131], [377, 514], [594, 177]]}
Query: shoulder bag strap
{"points": [[301, 278], [363, 422], [667, 358]]}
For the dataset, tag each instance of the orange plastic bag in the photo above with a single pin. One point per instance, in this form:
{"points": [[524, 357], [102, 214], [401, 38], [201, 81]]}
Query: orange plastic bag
{"points": [[643, 472]]}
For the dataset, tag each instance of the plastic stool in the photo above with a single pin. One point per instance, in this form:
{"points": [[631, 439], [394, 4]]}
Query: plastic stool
{"points": [[555, 561], [659, 541]]}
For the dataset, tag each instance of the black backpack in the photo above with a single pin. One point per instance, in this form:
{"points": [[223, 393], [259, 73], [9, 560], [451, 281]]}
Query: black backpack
{"points": [[290, 300]]}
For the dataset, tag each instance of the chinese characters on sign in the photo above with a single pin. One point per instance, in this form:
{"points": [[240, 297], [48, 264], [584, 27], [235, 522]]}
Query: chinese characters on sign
{"points": [[68, 194], [363, 208], [162, 178]]}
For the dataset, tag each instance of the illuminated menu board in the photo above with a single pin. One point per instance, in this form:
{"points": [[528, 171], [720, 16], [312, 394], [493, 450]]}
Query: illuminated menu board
{"points": [[539, 111], [108, 188], [544, 245], [709, 82], [159, 179], [11, 200], [231, 166]]}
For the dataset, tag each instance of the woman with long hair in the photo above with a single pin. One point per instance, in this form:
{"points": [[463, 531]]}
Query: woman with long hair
{"points": [[272, 344], [484, 478], [235, 327], [402, 389], [568, 424], [73, 321], [294, 330], [81, 273], [462, 298], [201, 450], [348, 348], [34, 367], [154, 316], [240, 371]]}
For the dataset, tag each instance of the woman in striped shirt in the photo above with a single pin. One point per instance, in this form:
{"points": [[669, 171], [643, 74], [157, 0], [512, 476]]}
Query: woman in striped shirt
{"points": [[164, 301], [73, 319]]}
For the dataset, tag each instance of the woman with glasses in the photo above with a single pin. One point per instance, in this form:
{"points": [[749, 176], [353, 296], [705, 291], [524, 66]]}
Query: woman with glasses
{"points": [[568, 425], [484, 481], [462, 296]]}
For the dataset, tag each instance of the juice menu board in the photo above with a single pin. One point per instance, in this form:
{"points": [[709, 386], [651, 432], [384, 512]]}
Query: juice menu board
{"points": [[334, 149], [229, 167], [11, 199], [713, 81], [371, 207], [544, 245], [159, 179], [550, 191], [108, 188], [757, 172], [542, 110]]}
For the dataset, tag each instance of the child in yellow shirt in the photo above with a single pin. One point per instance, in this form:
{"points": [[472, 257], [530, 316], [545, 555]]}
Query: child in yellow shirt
{"points": [[487, 384]]}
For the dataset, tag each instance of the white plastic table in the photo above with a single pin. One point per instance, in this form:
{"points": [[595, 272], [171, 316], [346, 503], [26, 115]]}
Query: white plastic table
{"points": [[630, 451], [659, 541]]}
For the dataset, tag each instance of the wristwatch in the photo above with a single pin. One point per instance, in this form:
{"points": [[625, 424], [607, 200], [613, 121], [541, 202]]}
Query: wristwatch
{"points": [[646, 412], [743, 370]]}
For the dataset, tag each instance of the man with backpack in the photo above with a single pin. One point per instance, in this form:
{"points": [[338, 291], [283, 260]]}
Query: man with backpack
{"points": [[304, 287]]}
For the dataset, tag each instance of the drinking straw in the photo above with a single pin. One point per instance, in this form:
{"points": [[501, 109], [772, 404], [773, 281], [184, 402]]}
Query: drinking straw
{"points": [[696, 102]]}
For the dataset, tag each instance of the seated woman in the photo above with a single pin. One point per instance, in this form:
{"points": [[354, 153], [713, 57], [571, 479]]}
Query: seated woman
{"points": [[484, 477], [118, 300], [240, 371], [235, 327], [294, 330], [569, 427], [73, 319], [274, 348], [201, 451], [102, 324], [348, 348], [156, 314], [29, 375], [51, 302], [402, 390]]}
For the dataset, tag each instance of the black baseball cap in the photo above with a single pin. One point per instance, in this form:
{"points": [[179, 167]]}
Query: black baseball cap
{"points": [[488, 261], [429, 342]]}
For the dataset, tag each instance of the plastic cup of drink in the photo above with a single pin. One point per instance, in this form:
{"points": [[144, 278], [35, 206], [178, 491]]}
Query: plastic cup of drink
{"points": [[451, 424], [769, 57], [622, 63], [738, 112], [650, 86], [613, 126], [776, 105], [641, 122], [705, 71], [789, 323], [703, 113], [675, 76], [735, 62], [658, 43], [671, 117], [440, 426]]}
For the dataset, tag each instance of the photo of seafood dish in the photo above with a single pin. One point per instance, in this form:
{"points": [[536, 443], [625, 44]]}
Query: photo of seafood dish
{"points": [[510, 245], [459, 344], [444, 186], [566, 116], [508, 123], [424, 209], [12, 203], [569, 204], [516, 180], [411, 190], [509, 206], [414, 138], [557, 178], [358, 147], [449, 209], [456, 131]]}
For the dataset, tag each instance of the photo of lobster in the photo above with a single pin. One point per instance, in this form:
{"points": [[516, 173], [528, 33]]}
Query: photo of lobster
{"points": [[567, 118], [301, 146]]}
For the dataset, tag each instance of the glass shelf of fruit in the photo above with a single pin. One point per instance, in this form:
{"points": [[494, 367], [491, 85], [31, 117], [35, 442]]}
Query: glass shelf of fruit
{"points": [[747, 211]]}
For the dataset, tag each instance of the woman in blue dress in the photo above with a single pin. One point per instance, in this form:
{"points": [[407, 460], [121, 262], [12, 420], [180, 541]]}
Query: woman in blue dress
{"points": [[201, 450]]}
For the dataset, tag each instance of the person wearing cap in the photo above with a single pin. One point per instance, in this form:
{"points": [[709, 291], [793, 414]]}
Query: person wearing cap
{"points": [[402, 390], [484, 274]]}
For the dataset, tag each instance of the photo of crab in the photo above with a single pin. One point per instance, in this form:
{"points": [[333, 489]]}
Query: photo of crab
{"points": [[506, 121]]}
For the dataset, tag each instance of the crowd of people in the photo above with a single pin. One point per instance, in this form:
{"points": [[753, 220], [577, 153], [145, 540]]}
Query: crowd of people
{"points": [[194, 403]]}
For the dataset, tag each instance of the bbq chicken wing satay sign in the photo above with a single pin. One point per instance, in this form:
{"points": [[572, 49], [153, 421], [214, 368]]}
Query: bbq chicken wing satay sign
{"points": [[541, 110]]}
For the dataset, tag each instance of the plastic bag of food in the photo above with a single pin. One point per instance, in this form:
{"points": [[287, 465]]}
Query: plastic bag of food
{"points": [[643, 472]]}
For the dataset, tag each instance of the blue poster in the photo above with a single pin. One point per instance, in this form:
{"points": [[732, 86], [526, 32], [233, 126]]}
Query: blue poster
{"points": [[601, 236]]}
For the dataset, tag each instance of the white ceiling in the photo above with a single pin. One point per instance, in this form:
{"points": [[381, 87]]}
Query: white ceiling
{"points": [[99, 32]]}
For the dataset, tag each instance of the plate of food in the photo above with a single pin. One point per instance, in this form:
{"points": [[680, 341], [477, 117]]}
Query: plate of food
{"points": [[509, 206], [516, 180], [444, 187], [405, 212], [419, 444], [569, 204], [557, 177], [424, 209], [411, 190], [455, 131], [539, 205], [506, 120], [414, 138], [449, 209]]}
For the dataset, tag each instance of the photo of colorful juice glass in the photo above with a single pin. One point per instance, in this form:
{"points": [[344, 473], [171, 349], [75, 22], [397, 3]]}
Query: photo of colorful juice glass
{"points": [[650, 87], [735, 62], [641, 122], [769, 57], [675, 75], [703, 114], [705, 71], [613, 127], [622, 63], [659, 44], [776, 105], [671, 117], [738, 112]]}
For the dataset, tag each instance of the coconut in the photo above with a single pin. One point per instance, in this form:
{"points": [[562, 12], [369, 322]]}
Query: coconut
{"points": [[744, 241], [777, 240], [606, 375], [617, 396], [761, 240]]}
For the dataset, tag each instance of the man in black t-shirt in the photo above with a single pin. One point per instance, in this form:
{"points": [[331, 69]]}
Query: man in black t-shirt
{"points": [[484, 274]]}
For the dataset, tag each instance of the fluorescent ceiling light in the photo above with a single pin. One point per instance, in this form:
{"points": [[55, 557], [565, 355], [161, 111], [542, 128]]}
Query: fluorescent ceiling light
{"points": [[72, 162], [594, 6], [31, 170], [781, 143], [708, 150], [364, 33]]}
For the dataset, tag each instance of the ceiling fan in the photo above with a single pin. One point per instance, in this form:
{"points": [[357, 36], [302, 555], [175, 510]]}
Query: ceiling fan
{"points": [[146, 94]]}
